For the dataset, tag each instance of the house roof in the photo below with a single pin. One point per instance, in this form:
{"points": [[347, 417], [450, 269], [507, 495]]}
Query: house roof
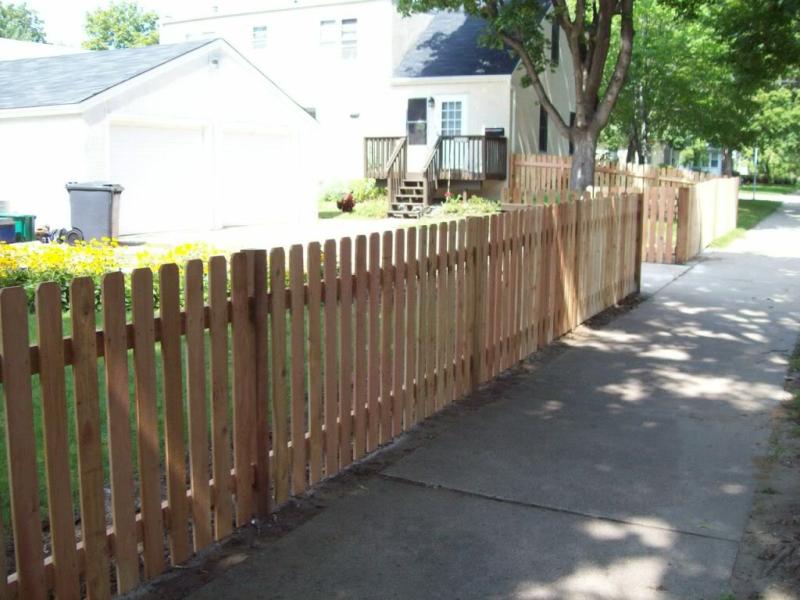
{"points": [[451, 47], [73, 78]]}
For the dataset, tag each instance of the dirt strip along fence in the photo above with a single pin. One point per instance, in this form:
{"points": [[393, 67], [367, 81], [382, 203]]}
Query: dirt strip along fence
{"points": [[257, 377], [683, 212]]}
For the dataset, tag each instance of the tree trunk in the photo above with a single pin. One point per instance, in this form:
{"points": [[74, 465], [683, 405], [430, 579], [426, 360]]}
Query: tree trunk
{"points": [[727, 162], [582, 175], [630, 157]]}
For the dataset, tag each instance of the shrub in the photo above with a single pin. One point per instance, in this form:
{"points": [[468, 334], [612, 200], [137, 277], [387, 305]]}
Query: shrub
{"points": [[372, 209], [472, 206], [366, 189], [362, 190]]}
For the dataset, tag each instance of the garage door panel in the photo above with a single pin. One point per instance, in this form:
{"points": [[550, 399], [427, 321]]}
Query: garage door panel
{"points": [[164, 173], [256, 178]]}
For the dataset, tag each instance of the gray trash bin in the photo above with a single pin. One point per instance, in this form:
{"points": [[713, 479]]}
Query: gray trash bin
{"points": [[94, 208]]}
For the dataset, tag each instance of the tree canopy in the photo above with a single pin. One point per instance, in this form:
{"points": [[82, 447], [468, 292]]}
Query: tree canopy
{"points": [[121, 25], [18, 22], [690, 85]]}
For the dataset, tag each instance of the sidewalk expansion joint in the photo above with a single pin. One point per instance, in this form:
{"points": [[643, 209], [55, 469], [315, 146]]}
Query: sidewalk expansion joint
{"points": [[554, 509]]}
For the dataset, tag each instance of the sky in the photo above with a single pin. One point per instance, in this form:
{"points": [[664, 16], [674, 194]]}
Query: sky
{"points": [[64, 19]]}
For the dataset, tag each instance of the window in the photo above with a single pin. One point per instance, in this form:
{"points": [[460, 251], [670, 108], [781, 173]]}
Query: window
{"points": [[571, 124], [260, 37], [451, 117], [417, 121], [542, 129], [327, 34], [349, 39], [555, 39], [714, 159]]}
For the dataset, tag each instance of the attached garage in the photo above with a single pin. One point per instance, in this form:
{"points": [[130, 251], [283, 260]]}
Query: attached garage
{"points": [[197, 136]]}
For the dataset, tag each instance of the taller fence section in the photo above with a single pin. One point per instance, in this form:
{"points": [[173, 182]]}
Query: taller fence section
{"points": [[683, 211], [254, 378]]}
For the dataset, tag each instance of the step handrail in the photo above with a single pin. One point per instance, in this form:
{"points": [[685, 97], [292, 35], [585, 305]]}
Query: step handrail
{"points": [[397, 167], [431, 170]]}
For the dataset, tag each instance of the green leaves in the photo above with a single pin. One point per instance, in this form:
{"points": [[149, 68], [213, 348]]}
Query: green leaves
{"points": [[18, 22], [121, 25]]}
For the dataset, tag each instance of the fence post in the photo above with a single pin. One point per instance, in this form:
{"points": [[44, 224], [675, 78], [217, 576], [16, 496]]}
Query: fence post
{"points": [[639, 240], [682, 246], [257, 290], [477, 230]]}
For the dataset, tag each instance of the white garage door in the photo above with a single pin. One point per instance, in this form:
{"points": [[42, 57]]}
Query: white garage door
{"points": [[257, 172], [165, 176]]}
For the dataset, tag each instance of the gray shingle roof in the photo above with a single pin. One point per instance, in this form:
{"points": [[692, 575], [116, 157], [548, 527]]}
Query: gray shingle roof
{"points": [[73, 78], [450, 46]]}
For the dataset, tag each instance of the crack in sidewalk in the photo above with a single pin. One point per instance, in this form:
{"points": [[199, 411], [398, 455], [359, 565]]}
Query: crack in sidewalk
{"points": [[545, 507]]}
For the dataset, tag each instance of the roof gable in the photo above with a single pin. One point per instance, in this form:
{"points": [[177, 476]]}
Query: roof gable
{"points": [[73, 78], [451, 47]]}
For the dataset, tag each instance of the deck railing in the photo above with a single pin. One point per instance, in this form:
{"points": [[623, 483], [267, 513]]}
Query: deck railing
{"points": [[377, 151], [397, 166], [453, 157]]}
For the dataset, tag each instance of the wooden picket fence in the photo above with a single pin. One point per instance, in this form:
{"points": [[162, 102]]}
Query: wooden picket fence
{"points": [[683, 212], [533, 173], [269, 377]]}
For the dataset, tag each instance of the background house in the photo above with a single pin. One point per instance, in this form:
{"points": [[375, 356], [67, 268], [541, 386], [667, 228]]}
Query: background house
{"points": [[365, 71], [196, 134]]}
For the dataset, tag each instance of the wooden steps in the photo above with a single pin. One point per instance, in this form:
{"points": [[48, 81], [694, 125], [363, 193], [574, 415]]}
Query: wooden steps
{"points": [[410, 200]]}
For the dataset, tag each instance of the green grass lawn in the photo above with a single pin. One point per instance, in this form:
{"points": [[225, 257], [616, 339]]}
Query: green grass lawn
{"points": [[751, 213], [771, 188], [367, 209]]}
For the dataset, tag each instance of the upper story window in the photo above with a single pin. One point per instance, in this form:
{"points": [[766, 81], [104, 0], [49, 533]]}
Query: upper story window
{"points": [[555, 46], [259, 37], [342, 34], [328, 34], [451, 117], [349, 39], [714, 159]]}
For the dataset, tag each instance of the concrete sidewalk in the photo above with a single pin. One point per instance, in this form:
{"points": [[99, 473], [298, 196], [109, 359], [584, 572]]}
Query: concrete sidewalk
{"points": [[625, 467]]}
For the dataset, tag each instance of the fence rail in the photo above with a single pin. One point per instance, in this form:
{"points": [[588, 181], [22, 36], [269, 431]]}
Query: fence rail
{"points": [[269, 375]]}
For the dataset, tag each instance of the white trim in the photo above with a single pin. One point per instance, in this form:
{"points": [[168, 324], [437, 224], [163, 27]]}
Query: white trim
{"points": [[155, 123], [41, 111], [460, 79]]}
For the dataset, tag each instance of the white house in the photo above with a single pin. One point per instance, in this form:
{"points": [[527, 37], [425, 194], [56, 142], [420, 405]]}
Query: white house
{"points": [[374, 78], [194, 132]]}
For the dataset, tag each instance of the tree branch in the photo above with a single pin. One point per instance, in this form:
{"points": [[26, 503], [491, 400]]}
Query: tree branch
{"points": [[600, 46], [536, 83], [603, 111]]}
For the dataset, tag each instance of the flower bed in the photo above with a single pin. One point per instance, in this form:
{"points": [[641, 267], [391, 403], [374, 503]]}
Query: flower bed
{"points": [[28, 265]]}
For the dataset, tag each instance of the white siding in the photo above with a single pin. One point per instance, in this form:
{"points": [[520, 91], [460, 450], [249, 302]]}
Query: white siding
{"points": [[560, 85], [348, 96], [486, 103], [39, 156]]}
